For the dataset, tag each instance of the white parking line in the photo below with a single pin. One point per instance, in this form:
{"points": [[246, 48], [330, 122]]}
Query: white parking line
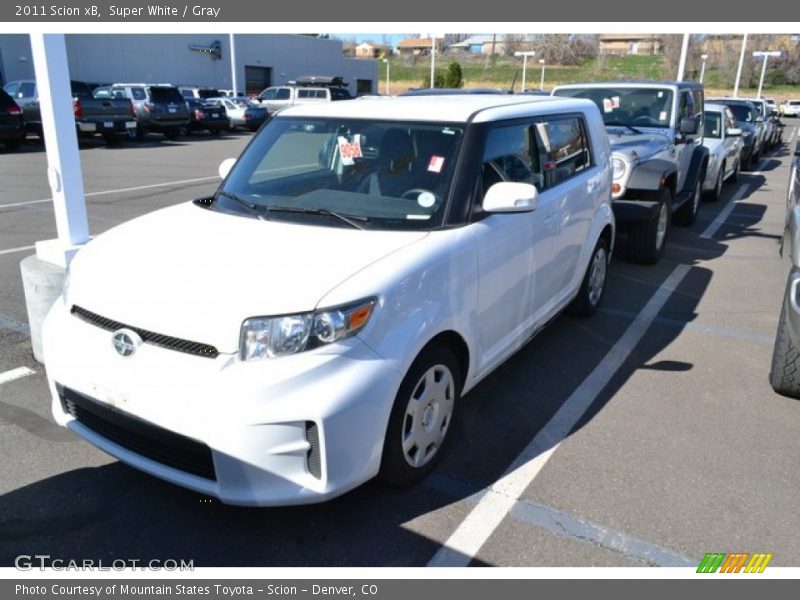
{"points": [[119, 191], [724, 213], [17, 373], [465, 542], [20, 249]]}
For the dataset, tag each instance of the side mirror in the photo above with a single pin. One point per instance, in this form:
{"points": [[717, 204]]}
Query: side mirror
{"points": [[734, 132], [689, 125], [759, 119], [508, 196], [225, 167]]}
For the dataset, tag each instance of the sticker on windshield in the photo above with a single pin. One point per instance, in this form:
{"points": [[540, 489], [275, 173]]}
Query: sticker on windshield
{"points": [[610, 104], [426, 199], [436, 163], [349, 150], [662, 116]]}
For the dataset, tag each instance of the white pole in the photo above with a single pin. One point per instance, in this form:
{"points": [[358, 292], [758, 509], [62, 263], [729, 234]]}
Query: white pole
{"points": [[541, 83], [703, 68], [739, 70], [684, 52], [761, 80], [61, 147], [233, 64], [388, 66], [524, 69], [433, 58]]}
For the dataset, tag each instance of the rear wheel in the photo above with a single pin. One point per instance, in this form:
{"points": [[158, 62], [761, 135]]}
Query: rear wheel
{"points": [[421, 417], [13, 144], [593, 285], [735, 175], [646, 239], [172, 134], [112, 139]]}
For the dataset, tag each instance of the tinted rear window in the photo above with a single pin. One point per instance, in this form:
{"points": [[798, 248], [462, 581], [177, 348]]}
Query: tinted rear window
{"points": [[208, 93], [6, 101], [165, 95]]}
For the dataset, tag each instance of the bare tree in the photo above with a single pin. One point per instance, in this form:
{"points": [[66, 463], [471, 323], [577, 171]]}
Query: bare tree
{"points": [[564, 49]]}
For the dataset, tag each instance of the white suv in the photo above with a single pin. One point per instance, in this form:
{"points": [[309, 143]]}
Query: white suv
{"points": [[313, 324]]}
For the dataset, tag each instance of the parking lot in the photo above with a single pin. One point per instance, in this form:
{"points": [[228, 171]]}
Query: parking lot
{"points": [[646, 435]]}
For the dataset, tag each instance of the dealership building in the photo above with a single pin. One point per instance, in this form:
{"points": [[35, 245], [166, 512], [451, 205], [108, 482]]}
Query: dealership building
{"points": [[262, 60]]}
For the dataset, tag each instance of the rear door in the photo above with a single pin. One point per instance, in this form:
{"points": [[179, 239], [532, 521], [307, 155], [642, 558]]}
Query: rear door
{"points": [[10, 117]]}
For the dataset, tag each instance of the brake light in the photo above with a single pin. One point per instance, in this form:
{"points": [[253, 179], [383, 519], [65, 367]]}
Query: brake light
{"points": [[148, 106], [14, 110], [130, 108], [77, 109], [199, 114]]}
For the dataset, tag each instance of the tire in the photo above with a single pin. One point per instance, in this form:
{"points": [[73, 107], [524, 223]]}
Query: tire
{"points": [[216, 132], [647, 239], [714, 194], [13, 145], [404, 461], [686, 215], [593, 285], [753, 162], [137, 134], [784, 375], [734, 178], [172, 134]]}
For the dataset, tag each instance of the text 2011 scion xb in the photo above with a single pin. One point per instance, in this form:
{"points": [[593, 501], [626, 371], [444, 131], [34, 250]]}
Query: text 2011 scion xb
{"points": [[315, 322]]}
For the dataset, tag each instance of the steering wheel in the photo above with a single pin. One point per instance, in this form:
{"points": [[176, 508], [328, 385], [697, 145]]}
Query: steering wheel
{"points": [[415, 193]]}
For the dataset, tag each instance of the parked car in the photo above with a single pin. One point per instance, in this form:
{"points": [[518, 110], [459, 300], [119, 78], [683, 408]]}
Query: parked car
{"points": [[791, 108], [302, 91], [724, 142], [767, 132], [12, 125], [746, 115], [159, 107], [206, 116], [230, 94], [659, 161], [784, 376], [111, 118], [372, 262], [451, 91], [242, 112]]}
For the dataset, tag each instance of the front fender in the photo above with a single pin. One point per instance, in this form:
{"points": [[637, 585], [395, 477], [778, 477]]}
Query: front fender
{"points": [[650, 175], [698, 166]]}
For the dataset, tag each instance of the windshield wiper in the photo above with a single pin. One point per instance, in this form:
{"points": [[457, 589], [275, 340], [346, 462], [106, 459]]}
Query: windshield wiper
{"points": [[242, 202], [349, 219], [633, 129]]}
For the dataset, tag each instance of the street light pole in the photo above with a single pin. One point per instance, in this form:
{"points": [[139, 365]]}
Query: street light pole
{"points": [[524, 55], [739, 70], [433, 59], [684, 52], [765, 56], [388, 67], [541, 83], [233, 64], [703, 68]]}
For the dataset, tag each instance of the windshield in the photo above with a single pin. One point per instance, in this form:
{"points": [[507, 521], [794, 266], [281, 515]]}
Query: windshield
{"points": [[741, 112], [636, 107], [713, 125], [386, 174]]}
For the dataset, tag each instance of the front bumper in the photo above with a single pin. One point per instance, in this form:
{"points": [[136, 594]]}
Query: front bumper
{"points": [[634, 211], [295, 430]]}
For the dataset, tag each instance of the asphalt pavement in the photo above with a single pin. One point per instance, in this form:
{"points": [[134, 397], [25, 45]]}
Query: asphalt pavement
{"points": [[646, 435]]}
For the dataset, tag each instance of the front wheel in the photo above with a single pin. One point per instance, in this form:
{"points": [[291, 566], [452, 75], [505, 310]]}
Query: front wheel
{"points": [[646, 239], [714, 194], [686, 215], [784, 375], [593, 285], [422, 417]]}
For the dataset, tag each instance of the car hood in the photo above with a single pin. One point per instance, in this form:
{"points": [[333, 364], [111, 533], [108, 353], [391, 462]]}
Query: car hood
{"points": [[637, 146], [195, 274]]}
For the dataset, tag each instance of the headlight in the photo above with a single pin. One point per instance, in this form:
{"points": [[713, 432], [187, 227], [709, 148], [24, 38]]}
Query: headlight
{"points": [[618, 168], [271, 337]]}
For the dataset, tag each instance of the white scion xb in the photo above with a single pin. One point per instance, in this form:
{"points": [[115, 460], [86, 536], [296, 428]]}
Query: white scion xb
{"points": [[315, 322]]}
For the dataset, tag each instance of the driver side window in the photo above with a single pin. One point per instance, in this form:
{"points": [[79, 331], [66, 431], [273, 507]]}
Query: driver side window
{"points": [[512, 153]]}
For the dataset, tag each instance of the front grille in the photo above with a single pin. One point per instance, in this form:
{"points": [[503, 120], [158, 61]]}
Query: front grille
{"points": [[149, 337], [313, 459], [143, 438]]}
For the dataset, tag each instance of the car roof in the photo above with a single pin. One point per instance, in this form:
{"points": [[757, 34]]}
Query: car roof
{"points": [[450, 108], [633, 83], [714, 106]]}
